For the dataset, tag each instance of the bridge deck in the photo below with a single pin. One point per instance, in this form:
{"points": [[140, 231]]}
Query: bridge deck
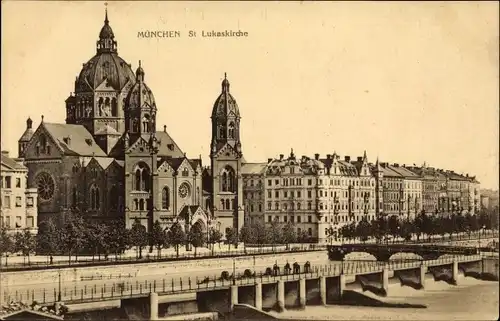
{"points": [[128, 290]]}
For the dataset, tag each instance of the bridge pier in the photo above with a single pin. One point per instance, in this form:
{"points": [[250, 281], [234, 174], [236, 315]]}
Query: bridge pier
{"points": [[454, 271], [302, 292], [258, 296], [233, 297], [322, 289], [423, 271], [281, 295], [153, 306], [385, 280]]}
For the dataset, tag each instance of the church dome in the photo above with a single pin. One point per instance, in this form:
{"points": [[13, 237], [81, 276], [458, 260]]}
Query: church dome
{"points": [[140, 95], [225, 103], [106, 65]]}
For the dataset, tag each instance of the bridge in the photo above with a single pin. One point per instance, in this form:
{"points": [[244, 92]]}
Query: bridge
{"points": [[320, 285], [383, 252]]}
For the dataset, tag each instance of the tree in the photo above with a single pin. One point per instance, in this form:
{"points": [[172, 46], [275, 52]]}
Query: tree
{"points": [[259, 231], [158, 237], [25, 243], [196, 236], [117, 239], [47, 241], [95, 237], [177, 236], [247, 235], [380, 228], [406, 229], [393, 225], [231, 236], [275, 233], [72, 235], [138, 237], [6, 243], [289, 234], [363, 229], [214, 236]]}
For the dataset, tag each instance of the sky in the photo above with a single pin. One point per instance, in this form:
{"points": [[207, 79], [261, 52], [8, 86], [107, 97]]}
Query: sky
{"points": [[409, 82]]}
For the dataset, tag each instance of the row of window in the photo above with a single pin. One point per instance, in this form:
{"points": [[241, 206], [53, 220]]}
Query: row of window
{"points": [[335, 182], [321, 206], [6, 182], [19, 201], [285, 219], [5, 221], [320, 193]]}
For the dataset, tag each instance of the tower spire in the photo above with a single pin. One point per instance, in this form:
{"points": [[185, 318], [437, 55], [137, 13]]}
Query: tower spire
{"points": [[106, 21]]}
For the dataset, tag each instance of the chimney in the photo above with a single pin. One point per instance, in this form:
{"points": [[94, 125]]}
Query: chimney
{"points": [[396, 165], [347, 158], [328, 156], [404, 165], [164, 128], [281, 156], [269, 160], [29, 123], [316, 156], [5, 153], [304, 158], [360, 158]]}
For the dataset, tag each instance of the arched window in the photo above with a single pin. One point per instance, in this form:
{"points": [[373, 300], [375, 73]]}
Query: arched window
{"points": [[298, 206], [97, 200], [222, 204], [136, 204], [207, 204], [141, 204], [142, 177], [113, 197], [228, 179], [114, 107], [145, 123], [222, 134], [228, 205], [165, 198], [94, 197], [231, 130]]}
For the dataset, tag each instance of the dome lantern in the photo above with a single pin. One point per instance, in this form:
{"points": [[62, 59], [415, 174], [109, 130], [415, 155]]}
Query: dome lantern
{"points": [[106, 42]]}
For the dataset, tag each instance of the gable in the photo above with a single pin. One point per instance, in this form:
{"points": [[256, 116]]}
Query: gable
{"points": [[227, 152], [165, 168], [104, 86], [185, 168], [42, 145], [140, 146]]}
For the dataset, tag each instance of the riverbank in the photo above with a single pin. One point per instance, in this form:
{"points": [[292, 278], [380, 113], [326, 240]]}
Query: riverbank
{"points": [[471, 300]]}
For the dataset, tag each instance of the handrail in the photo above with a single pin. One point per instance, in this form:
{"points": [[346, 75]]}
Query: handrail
{"points": [[130, 289]]}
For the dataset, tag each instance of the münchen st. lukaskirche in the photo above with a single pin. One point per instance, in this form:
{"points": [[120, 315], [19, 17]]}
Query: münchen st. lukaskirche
{"points": [[108, 161]]}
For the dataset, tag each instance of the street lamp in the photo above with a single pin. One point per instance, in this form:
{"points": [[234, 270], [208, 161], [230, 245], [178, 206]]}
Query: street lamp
{"points": [[59, 295], [479, 239], [234, 272]]}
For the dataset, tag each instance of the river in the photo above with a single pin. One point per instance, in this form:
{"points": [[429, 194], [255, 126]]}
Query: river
{"points": [[471, 300]]}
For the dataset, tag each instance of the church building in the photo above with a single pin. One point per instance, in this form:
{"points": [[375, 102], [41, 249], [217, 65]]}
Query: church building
{"points": [[109, 161]]}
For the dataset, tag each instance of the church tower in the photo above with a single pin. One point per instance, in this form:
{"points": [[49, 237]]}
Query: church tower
{"points": [[226, 161]]}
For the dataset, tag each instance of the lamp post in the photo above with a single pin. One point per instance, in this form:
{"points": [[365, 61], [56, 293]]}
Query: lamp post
{"points": [[234, 272], [59, 295]]}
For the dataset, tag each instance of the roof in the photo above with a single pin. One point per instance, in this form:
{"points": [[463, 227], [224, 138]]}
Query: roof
{"points": [[388, 171], [12, 164], [253, 168], [185, 210], [107, 130], [104, 161], [167, 146], [225, 104], [406, 173], [81, 141]]}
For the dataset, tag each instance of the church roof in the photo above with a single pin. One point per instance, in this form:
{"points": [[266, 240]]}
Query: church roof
{"points": [[12, 163], [82, 143], [107, 130], [104, 161], [225, 104], [140, 95], [167, 146]]}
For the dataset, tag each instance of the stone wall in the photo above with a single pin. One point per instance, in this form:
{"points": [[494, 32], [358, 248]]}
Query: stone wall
{"points": [[77, 274]]}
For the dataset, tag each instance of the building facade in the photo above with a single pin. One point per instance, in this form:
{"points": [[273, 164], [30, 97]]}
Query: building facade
{"points": [[18, 203], [108, 161], [314, 194]]}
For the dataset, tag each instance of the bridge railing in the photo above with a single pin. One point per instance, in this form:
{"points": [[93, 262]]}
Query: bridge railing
{"points": [[112, 260], [50, 293]]}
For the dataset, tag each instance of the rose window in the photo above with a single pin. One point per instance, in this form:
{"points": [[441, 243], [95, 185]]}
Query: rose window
{"points": [[184, 190], [45, 184]]}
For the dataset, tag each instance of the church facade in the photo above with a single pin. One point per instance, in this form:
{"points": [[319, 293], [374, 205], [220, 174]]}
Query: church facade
{"points": [[108, 161]]}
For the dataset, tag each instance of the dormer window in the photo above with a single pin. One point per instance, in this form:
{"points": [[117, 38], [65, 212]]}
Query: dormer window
{"points": [[88, 141]]}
